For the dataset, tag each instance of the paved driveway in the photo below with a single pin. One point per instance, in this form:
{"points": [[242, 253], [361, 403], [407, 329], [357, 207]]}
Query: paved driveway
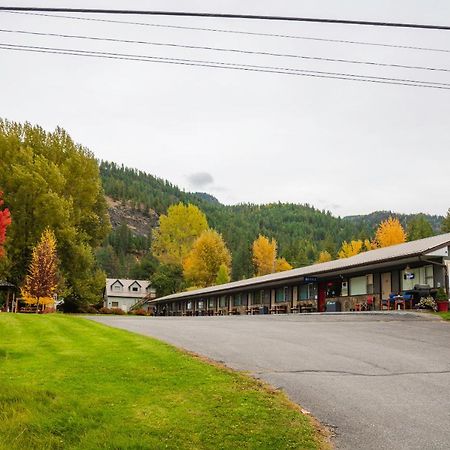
{"points": [[380, 381]]}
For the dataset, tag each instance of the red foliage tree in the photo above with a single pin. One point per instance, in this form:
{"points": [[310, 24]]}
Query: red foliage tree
{"points": [[5, 221]]}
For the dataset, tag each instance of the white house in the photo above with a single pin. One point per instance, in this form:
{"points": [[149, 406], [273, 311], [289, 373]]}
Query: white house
{"points": [[124, 294]]}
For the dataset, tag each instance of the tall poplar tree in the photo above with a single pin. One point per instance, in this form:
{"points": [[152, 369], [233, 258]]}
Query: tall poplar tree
{"points": [[42, 279]]}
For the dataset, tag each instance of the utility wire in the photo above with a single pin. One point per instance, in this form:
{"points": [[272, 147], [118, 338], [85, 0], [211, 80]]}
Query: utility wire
{"points": [[246, 67], [226, 16], [248, 33], [221, 49]]}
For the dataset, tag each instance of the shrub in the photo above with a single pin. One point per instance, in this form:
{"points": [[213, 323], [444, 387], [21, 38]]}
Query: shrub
{"points": [[105, 310], [427, 303], [139, 312], [118, 311]]}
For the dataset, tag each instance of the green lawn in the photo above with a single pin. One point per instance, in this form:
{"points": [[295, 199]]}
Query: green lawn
{"points": [[445, 315], [66, 382]]}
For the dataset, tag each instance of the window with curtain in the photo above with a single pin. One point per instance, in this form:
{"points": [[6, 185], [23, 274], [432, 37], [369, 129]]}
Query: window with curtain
{"points": [[358, 285]]}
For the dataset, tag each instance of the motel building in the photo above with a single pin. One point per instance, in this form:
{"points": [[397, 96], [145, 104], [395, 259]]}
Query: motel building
{"points": [[388, 278]]}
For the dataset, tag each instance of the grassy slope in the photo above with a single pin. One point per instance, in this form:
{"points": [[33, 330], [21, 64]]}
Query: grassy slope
{"points": [[66, 382], [445, 315]]}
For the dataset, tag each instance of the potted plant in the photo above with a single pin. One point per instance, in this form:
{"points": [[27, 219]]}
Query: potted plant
{"points": [[442, 300]]}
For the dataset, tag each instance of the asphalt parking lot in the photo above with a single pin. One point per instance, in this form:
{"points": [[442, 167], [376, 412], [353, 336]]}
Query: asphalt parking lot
{"points": [[379, 381]]}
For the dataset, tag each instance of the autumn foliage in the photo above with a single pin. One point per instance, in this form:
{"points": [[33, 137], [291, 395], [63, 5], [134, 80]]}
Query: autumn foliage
{"points": [[42, 279], [208, 254], [177, 232], [5, 221], [265, 257], [390, 232]]}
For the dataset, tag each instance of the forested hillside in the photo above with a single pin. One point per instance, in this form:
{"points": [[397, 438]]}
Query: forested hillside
{"points": [[368, 223], [301, 230]]}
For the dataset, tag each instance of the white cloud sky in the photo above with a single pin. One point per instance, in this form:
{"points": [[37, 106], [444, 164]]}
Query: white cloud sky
{"points": [[345, 146]]}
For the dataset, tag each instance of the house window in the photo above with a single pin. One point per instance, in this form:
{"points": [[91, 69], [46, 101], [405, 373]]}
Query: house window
{"points": [[429, 276], [189, 305], [134, 288], [222, 301], [117, 287], [211, 303], [114, 304], [237, 301]]}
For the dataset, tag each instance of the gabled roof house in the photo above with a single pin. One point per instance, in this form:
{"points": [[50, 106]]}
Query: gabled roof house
{"points": [[124, 294]]}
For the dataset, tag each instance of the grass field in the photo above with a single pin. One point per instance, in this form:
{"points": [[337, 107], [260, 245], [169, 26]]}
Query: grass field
{"points": [[445, 315], [66, 382]]}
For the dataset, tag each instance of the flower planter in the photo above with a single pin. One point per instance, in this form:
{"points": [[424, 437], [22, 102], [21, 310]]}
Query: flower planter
{"points": [[442, 306]]}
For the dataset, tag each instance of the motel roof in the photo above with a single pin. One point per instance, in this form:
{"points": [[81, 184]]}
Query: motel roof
{"points": [[421, 247]]}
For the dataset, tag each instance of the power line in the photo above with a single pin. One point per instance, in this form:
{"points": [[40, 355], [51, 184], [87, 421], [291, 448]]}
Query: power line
{"points": [[233, 66], [226, 16], [230, 50], [248, 33]]}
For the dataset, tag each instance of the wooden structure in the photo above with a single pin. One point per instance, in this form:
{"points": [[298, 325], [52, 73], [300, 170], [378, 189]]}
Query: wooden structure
{"points": [[11, 305]]}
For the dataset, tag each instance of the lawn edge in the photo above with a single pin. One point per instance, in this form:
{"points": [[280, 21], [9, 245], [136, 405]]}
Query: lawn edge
{"points": [[323, 434]]}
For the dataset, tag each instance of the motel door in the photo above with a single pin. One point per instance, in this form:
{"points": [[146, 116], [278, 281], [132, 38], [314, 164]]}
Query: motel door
{"points": [[321, 297], [386, 285]]}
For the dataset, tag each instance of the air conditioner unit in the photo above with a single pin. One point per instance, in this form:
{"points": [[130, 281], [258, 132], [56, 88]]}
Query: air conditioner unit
{"points": [[344, 289]]}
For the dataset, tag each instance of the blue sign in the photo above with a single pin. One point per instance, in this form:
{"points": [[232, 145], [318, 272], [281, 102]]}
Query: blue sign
{"points": [[310, 279]]}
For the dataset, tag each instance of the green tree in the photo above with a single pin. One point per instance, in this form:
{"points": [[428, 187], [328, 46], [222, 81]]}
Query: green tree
{"points": [[445, 227], [176, 233], [168, 279], [223, 274], [49, 181], [419, 228]]}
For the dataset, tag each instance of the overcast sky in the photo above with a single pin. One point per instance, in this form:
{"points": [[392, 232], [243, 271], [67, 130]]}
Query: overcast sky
{"points": [[346, 146]]}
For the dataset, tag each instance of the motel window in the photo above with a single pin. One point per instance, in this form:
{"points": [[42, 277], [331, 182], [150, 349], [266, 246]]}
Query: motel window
{"points": [[257, 297], [418, 275], [358, 285], [237, 301], [189, 305], [307, 291], [280, 295], [334, 289], [222, 301], [429, 276], [114, 304]]}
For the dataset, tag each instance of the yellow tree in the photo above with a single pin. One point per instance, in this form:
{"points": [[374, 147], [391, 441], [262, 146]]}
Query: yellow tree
{"points": [[390, 232], [370, 245], [176, 233], [201, 265], [281, 265], [324, 256], [264, 255], [223, 274], [351, 248], [42, 279]]}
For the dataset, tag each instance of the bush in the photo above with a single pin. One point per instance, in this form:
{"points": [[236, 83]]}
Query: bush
{"points": [[105, 310], [427, 303], [118, 311], [139, 312]]}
